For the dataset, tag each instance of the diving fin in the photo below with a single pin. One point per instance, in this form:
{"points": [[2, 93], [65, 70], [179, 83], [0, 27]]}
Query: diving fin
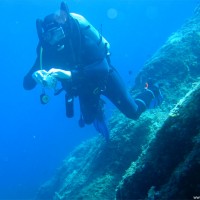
{"points": [[101, 127], [100, 122]]}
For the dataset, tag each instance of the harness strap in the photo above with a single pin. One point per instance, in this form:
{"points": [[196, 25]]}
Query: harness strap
{"points": [[41, 52]]}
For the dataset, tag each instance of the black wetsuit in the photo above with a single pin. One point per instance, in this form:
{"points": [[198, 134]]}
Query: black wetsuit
{"points": [[92, 75]]}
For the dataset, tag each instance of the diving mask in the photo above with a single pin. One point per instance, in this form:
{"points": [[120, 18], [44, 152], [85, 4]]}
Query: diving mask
{"points": [[54, 35]]}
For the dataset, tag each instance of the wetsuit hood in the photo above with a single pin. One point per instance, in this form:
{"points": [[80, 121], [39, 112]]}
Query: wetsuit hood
{"points": [[52, 30]]}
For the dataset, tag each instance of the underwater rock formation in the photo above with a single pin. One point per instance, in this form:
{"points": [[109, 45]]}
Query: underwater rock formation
{"points": [[170, 166], [155, 157]]}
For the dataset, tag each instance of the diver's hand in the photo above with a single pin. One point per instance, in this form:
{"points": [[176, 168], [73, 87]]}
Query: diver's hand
{"points": [[45, 79], [59, 73], [39, 76]]}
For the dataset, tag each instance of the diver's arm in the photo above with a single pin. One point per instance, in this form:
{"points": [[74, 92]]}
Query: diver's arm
{"points": [[29, 83], [60, 73]]}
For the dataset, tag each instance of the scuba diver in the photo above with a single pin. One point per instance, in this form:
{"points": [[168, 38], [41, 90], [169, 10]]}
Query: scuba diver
{"points": [[71, 51]]}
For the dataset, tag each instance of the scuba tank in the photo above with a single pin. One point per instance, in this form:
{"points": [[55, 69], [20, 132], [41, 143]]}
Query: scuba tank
{"points": [[89, 31]]}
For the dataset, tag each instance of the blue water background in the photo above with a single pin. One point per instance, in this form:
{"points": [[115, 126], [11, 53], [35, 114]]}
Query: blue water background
{"points": [[34, 139]]}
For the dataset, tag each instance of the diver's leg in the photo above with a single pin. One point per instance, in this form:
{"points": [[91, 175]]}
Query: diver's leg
{"points": [[118, 94], [89, 105], [94, 79]]}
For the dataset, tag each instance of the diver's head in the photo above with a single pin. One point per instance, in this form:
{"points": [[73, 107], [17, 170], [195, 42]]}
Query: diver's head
{"points": [[52, 30]]}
